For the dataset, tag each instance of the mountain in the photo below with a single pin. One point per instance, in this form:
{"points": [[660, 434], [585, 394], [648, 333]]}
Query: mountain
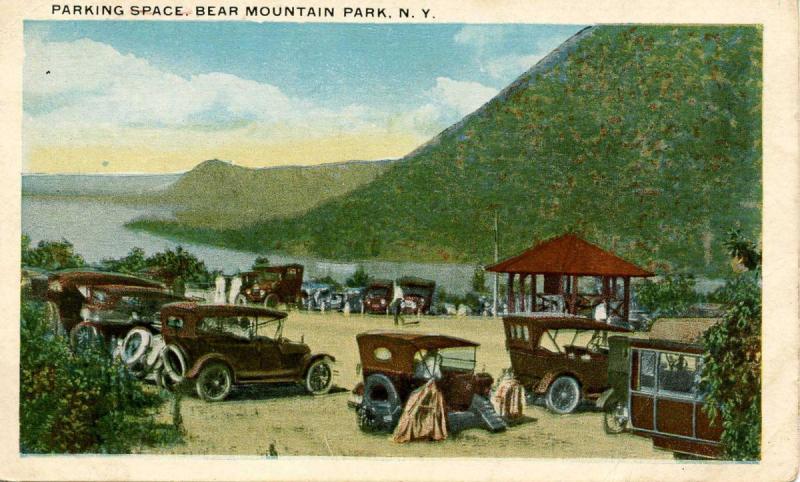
{"points": [[643, 139], [221, 195]]}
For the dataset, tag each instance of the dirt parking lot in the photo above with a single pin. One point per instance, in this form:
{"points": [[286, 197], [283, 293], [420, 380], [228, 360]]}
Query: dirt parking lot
{"points": [[298, 424]]}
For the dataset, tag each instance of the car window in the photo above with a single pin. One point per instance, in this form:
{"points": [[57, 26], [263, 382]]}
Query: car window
{"points": [[678, 374], [460, 358], [232, 326], [175, 322], [647, 371]]}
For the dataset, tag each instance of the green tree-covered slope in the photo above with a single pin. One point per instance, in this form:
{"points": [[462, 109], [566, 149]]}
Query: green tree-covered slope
{"points": [[646, 140], [218, 194]]}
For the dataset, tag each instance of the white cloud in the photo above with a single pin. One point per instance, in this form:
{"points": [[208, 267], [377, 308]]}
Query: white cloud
{"points": [[479, 35], [462, 96]]}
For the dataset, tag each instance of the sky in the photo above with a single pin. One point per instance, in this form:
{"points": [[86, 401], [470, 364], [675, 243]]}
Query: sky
{"points": [[151, 97]]}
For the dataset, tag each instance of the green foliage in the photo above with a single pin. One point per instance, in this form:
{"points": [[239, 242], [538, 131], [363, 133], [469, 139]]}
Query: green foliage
{"points": [[260, 262], [79, 403], [360, 278], [479, 280], [672, 295], [50, 255], [134, 263], [732, 372], [645, 140], [328, 280]]}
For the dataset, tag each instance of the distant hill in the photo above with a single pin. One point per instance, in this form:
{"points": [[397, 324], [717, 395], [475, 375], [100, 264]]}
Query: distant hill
{"points": [[645, 140], [221, 195]]}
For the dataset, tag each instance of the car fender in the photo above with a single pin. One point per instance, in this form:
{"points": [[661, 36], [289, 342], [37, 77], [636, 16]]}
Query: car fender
{"points": [[309, 359], [205, 360], [549, 377]]}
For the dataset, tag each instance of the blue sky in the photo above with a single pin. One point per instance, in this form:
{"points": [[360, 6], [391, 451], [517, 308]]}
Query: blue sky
{"points": [[396, 83]]}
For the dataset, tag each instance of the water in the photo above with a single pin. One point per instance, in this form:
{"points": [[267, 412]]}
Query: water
{"points": [[97, 231]]}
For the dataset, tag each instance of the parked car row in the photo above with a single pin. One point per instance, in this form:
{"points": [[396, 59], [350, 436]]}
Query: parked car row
{"points": [[648, 385]]}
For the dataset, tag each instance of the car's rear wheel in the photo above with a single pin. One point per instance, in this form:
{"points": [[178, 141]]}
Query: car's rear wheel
{"points": [[615, 418], [319, 377], [84, 335], [214, 382], [564, 395]]}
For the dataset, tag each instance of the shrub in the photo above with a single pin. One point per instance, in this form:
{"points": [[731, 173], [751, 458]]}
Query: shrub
{"points": [[359, 278], [732, 371], [79, 402], [672, 295], [50, 255]]}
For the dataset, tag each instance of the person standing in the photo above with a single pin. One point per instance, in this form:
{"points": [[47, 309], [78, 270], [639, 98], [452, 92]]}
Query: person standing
{"points": [[397, 305]]}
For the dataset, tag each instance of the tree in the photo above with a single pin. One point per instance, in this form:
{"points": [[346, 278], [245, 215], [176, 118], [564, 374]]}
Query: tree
{"points": [[479, 280], [672, 295], [359, 278], [50, 255], [260, 262], [135, 262], [732, 369], [178, 266]]}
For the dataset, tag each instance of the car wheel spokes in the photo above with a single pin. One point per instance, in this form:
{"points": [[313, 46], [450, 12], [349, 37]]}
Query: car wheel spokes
{"points": [[320, 376]]}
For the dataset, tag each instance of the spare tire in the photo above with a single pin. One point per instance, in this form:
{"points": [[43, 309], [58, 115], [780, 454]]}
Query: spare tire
{"points": [[173, 359], [380, 406], [153, 356], [135, 346]]}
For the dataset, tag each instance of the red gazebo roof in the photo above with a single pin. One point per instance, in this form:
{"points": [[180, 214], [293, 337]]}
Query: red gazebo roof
{"points": [[568, 255]]}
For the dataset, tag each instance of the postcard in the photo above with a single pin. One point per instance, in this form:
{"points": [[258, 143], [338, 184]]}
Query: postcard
{"points": [[400, 241]]}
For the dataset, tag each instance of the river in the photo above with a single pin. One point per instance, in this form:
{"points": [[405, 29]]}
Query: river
{"points": [[97, 230]]}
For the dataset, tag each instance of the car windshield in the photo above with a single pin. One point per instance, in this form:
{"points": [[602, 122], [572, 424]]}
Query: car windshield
{"points": [[431, 363], [268, 276], [377, 292]]}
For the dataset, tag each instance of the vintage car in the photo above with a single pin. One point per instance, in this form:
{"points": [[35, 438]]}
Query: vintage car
{"points": [[111, 311], [655, 392], [67, 291], [417, 294], [353, 298], [563, 357], [271, 285], [394, 364], [215, 347], [378, 296], [319, 297]]}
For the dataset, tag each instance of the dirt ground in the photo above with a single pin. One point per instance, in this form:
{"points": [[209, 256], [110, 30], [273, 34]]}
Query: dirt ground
{"points": [[252, 418]]}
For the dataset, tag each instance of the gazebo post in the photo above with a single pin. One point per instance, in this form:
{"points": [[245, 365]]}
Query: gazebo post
{"points": [[522, 277], [511, 307], [626, 301]]}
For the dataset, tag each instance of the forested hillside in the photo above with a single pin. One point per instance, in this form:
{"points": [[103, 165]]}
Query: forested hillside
{"points": [[645, 140]]}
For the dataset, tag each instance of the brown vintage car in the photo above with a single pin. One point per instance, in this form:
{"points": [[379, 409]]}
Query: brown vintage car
{"points": [[217, 346], [111, 311], [378, 296], [655, 389], [394, 364], [417, 294], [67, 291], [271, 285], [563, 357]]}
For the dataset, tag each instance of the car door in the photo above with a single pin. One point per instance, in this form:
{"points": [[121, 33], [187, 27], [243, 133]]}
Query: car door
{"points": [[221, 335], [643, 389]]}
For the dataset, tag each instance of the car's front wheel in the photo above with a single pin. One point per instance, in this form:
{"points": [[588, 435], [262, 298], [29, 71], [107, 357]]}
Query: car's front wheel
{"points": [[563, 395], [615, 418], [84, 335], [214, 382], [319, 377], [271, 301]]}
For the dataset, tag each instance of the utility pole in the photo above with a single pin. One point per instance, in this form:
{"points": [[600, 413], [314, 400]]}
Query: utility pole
{"points": [[496, 275]]}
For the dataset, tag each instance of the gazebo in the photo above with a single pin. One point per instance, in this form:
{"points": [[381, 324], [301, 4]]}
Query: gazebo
{"points": [[570, 275]]}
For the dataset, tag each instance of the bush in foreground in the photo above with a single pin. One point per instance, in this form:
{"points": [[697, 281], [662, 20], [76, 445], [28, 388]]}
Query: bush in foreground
{"points": [[79, 403]]}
